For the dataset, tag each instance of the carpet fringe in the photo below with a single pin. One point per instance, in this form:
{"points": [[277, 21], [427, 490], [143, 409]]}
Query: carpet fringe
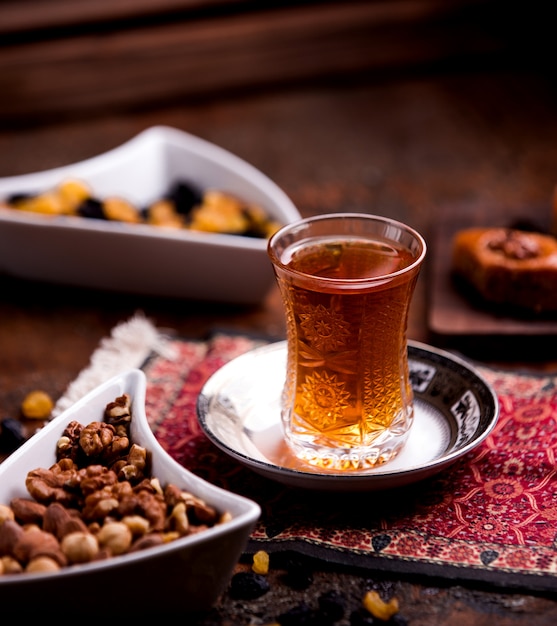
{"points": [[129, 344]]}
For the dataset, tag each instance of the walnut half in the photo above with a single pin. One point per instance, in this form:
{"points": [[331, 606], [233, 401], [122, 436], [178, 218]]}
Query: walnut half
{"points": [[515, 244]]}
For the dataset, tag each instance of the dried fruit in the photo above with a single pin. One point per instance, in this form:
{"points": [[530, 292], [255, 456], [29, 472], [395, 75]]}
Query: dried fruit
{"points": [[184, 197], [182, 207], [378, 607], [248, 586], [91, 208], [298, 573], [37, 405], [300, 615], [11, 435], [261, 562], [332, 605], [361, 617], [164, 213], [121, 210], [72, 193]]}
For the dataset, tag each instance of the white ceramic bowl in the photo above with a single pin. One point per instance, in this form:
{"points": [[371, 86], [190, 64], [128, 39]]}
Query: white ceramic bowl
{"points": [[140, 258], [183, 576]]}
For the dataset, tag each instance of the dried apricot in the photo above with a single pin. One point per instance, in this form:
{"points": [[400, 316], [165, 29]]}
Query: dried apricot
{"points": [[120, 210]]}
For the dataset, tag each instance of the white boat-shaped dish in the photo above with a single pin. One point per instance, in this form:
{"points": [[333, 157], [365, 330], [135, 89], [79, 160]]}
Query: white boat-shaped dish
{"points": [[185, 575], [138, 258], [455, 410]]}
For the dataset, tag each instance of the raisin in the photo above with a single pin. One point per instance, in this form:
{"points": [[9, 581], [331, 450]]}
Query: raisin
{"points": [[332, 605], [184, 196], [248, 586], [37, 404], [298, 574], [14, 198], [361, 617], [398, 620], [261, 562], [300, 615], [11, 435], [91, 208]]}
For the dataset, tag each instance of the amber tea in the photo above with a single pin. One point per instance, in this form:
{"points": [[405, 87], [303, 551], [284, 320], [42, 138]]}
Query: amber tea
{"points": [[347, 283]]}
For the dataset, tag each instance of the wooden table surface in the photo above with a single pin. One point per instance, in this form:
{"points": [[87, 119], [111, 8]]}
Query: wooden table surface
{"points": [[417, 146]]}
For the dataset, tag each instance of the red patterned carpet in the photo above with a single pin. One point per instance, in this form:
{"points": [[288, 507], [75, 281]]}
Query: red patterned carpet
{"points": [[490, 517]]}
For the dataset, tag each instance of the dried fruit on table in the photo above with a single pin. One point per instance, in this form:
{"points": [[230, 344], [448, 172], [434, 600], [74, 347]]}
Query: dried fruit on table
{"points": [[37, 405], [332, 605], [11, 434], [261, 562], [378, 607], [248, 586], [299, 574], [298, 616]]}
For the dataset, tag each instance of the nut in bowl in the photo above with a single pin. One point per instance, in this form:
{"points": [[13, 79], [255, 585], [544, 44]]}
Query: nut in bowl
{"points": [[184, 574], [131, 255]]}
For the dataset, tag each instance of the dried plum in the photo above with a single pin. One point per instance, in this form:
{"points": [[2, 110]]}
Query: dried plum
{"points": [[184, 196], [298, 573], [361, 617], [332, 605], [11, 435], [300, 615], [248, 586], [91, 208]]}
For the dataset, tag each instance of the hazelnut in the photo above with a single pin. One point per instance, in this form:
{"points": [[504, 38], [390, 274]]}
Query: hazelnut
{"points": [[80, 547], [116, 536], [137, 524], [10, 565], [42, 564], [5, 513]]}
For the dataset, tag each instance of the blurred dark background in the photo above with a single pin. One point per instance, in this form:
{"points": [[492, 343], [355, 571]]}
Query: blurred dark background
{"points": [[63, 59]]}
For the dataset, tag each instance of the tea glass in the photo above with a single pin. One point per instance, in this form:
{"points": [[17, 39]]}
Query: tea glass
{"points": [[346, 282]]}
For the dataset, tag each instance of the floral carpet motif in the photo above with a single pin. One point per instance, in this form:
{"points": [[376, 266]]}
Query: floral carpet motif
{"points": [[490, 517]]}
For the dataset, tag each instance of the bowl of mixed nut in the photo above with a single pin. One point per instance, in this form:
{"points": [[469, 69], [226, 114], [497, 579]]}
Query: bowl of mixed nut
{"points": [[96, 518], [165, 214]]}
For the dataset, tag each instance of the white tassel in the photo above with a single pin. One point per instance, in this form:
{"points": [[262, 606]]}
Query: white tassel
{"points": [[129, 345]]}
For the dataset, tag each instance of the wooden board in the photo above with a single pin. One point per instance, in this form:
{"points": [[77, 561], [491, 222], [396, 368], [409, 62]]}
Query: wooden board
{"points": [[63, 58]]}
